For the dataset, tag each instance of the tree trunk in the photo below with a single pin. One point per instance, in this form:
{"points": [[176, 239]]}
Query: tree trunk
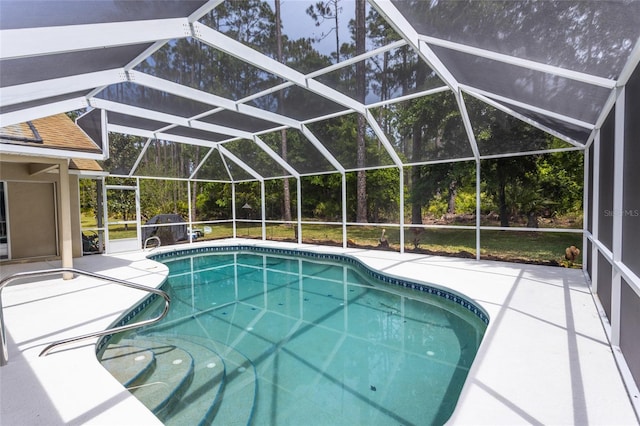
{"points": [[286, 192], [361, 215], [502, 198], [335, 14], [453, 192], [194, 184], [416, 199], [194, 197], [416, 143]]}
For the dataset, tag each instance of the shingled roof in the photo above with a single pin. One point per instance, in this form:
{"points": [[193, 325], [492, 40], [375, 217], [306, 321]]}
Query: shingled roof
{"points": [[54, 132]]}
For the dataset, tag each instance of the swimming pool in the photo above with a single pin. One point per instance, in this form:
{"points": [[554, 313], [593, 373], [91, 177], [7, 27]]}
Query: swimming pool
{"points": [[270, 336]]}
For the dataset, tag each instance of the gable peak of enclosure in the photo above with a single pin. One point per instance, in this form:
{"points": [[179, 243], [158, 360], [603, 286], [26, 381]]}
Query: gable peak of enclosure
{"points": [[203, 75]]}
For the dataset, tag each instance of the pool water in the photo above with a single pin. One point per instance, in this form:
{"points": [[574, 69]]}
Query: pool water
{"points": [[307, 342]]}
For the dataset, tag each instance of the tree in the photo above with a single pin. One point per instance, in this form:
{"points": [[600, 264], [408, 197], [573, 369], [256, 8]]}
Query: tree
{"points": [[384, 195], [361, 86], [431, 130], [286, 193], [325, 10], [123, 151]]}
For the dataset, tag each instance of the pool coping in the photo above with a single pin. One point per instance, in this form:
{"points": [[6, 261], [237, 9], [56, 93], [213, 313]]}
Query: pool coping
{"points": [[544, 359]]}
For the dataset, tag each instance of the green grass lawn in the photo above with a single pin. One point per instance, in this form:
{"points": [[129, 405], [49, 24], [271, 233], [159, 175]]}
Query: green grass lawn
{"points": [[116, 232], [535, 247]]}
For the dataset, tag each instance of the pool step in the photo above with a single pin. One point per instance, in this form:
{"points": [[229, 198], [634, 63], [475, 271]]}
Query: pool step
{"points": [[172, 374], [127, 362], [186, 379], [236, 405], [162, 385], [197, 401]]}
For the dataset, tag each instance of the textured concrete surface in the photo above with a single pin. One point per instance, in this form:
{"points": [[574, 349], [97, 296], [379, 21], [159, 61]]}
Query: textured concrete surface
{"points": [[545, 358]]}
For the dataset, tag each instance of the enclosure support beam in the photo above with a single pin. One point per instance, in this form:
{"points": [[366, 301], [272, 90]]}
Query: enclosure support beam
{"points": [[105, 215], [299, 209], [478, 209], [618, 208], [28, 92], [190, 221], [263, 201], [344, 209], [39, 111], [586, 213], [401, 179], [29, 42], [138, 214], [595, 226], [233, 209]]}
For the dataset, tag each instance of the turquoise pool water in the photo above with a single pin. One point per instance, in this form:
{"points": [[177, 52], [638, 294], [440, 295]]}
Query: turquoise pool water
{"points": [[306, 341]]}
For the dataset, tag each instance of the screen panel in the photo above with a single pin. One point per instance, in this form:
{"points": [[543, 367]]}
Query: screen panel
{"points": [[425, 129], [320, 31], [46, 67], [213, 168], [572, 131], [631, 176], [560, 95], [256, 158], [154, 100], [629, 325], [194, 64], [190, 132], [170, 159], [239, 121], [497, 132], [297, 103], [45, 13], [135, 122], [339, 136], [604, 284], [124, 150], [573, 30], [91, 124], [395, 73], [300, 153]]}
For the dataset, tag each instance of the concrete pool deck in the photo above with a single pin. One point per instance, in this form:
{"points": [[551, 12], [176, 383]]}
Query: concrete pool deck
{"points": [[545, 358]]}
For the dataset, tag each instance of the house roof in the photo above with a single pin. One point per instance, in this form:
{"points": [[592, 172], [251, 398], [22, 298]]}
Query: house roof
{"points": [[85, 165], [54, 132]]}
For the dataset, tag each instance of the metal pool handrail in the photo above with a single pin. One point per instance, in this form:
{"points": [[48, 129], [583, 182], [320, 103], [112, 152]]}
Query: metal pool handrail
{"points": [[156, 238], [4, 355]]}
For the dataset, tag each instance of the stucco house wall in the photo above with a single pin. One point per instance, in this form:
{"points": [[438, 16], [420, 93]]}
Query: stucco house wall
{"points": [[33, 202], [39, 165]]}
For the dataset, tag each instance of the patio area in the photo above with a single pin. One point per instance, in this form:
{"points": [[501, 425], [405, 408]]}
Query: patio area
{"points": [[545, 358], [502, 130]]}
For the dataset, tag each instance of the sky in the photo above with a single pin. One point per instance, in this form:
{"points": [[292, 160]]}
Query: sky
{"points": [[297, 23]]}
